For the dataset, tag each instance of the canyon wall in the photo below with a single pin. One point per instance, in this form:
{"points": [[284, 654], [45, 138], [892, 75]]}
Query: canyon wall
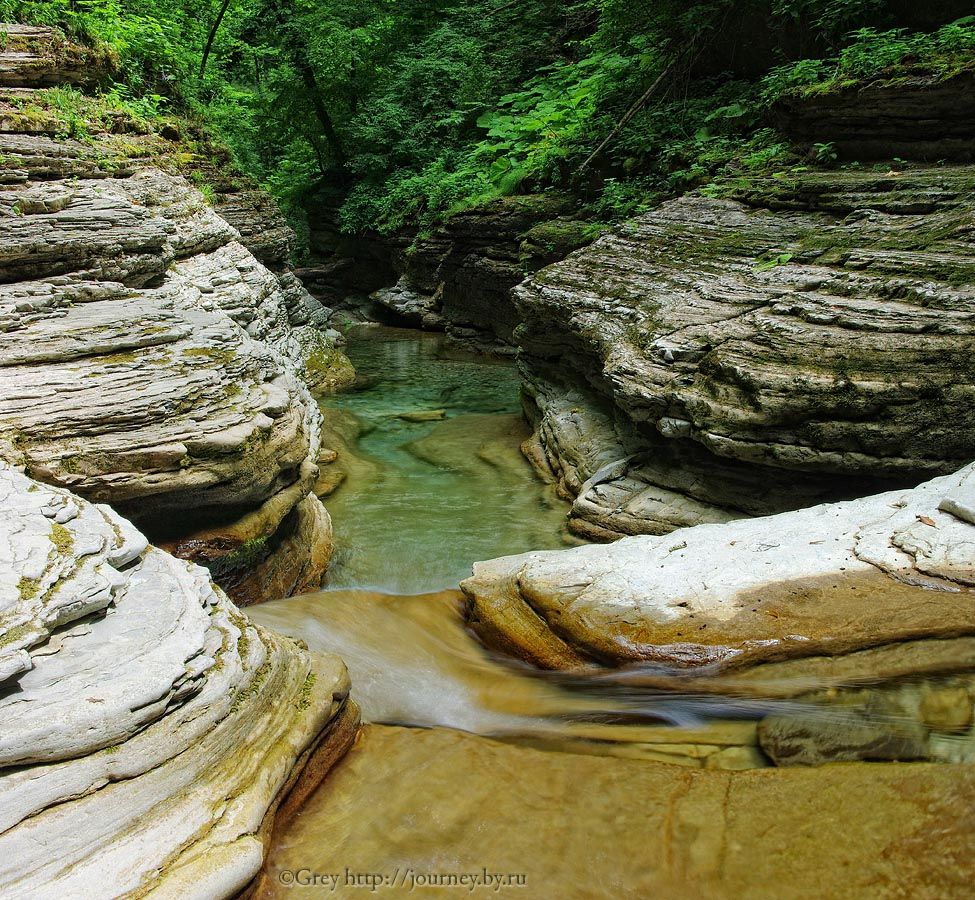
{"points": [[149, 359], [457, 279], [802, 339]]}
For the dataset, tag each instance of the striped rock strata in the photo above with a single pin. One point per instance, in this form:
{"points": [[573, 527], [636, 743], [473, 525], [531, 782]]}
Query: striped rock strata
{"points": [[148, 731]]}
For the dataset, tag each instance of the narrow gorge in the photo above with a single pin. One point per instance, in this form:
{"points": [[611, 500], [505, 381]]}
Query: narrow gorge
{"points": [[468, 450]]}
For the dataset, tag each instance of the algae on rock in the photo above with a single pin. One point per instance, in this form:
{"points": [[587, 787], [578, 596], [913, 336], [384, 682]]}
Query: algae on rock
{"points": [[138, 700], [805, 338]]}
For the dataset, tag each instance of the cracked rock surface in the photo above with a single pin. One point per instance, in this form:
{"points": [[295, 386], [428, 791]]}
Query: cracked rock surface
{"points": [[147, 729], [825, 581]]}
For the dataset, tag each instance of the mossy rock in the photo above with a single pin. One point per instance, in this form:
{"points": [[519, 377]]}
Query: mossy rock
{"points": [[552, 240]]}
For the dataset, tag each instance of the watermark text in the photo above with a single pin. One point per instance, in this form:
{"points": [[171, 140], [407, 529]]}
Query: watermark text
{"points": [[405, 877]]}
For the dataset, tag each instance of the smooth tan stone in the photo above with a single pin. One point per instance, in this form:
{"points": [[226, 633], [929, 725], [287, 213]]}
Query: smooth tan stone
{"points": [[582, 827]]}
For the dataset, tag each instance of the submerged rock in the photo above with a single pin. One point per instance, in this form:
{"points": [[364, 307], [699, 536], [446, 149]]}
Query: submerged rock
{"points": [[148, 731], [661, 831], [808, 341], [423, 415], [948, 709], [798, 741], [823, 581]]}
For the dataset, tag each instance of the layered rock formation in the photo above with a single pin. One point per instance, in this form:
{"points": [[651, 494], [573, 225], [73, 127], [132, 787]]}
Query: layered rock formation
{"points": [[469, 265], [149, 360], [810, 340], [917, 115], [458, 279], [149, 731], [822, 583], [37, 56]]}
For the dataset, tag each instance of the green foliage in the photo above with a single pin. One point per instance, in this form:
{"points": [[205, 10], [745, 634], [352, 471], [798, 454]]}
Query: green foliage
{"points": [[534, 130], [409, 110], [871, 54], [68, 105], [825, 153], [154, 40], [830, 19], [772, 261], [71, 114]]}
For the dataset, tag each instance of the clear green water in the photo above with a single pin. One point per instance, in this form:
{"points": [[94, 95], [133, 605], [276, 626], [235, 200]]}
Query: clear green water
{"points": [[424, 500]]}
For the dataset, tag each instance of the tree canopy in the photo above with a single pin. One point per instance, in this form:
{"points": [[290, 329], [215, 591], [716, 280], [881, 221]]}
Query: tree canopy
{"points": [[411, 109]]}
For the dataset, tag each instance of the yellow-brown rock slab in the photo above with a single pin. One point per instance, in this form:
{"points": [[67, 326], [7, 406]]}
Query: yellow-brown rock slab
{"points": [[406, 803]]}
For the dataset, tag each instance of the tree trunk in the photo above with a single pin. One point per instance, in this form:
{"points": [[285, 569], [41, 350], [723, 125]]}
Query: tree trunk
{"points": [[212, 35], [315, 95]]}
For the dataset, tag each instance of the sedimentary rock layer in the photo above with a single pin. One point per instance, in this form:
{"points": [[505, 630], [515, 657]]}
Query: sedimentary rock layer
{"points": [[820, 582], [147, 729], [148, 359], [811, 340], [36, 56], [919, 115]]}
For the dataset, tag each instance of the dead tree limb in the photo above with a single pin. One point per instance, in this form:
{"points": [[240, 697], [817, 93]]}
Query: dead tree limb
{"points": [[629, 114]]}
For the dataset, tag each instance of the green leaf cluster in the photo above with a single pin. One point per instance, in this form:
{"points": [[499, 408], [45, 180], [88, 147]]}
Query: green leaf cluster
{"points": [[401, 112]]}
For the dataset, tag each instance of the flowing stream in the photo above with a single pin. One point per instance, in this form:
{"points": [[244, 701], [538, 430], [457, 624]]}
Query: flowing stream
{"points": [[475, 766]]}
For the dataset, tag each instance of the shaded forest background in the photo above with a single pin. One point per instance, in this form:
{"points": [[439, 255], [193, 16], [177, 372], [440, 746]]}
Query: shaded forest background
{"points": [[410, 111]]}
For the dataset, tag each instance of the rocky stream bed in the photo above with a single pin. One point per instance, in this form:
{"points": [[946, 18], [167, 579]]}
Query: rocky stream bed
{"points": [[759, 677]]}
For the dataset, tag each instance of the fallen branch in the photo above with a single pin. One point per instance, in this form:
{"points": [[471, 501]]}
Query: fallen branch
{"points": [[629, 114]]}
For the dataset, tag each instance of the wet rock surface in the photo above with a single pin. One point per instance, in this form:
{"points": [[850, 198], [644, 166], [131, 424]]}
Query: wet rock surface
{"points": [[794, 741], [149, 731], [662, 830], [830, 580], [808, 341]]}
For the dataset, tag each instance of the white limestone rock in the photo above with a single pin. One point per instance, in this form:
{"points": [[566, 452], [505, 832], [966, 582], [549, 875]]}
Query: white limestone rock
{"points": [[146, 727], [148, 359], [829, 579]]}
